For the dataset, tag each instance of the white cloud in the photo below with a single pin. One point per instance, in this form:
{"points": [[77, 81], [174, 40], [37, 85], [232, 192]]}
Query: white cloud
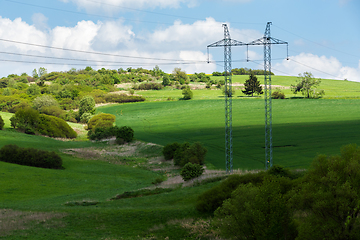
{"points": [[321, 67], [122, 5], [40, 21]]}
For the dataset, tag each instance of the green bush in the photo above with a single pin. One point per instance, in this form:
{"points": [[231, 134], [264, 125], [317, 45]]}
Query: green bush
{"points": [[194, 153], [25, 120], [33, 90], [30, 157], [169, 150], [122, 98], [124, 134], [44, 101], [187, 93], [277, 94], [55, 127], [149, 86], [210, 200], [87, 104], [1, 123], [99, 118], [190, 171]]}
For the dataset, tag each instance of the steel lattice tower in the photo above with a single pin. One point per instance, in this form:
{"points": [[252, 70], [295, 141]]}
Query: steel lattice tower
{"points": [[267, 41], [227, 42]]}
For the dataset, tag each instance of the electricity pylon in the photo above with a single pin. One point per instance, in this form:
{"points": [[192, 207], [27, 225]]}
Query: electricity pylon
{"points": [[227, 43], [267, 41]]}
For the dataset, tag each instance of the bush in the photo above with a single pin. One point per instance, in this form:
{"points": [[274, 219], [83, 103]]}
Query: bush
{"points": [[190, 171], [87, 104], [1, 123], [149, 86], [124, 134], [194, 153], [188, 94], [44, 101], [210, 200], [25, 120], [278, 95], [55, 127], [30, 157], [169, 150], [33, 90], [99, 119], [122, 98]]}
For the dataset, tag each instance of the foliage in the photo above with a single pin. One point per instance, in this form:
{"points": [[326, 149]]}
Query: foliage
{"points": [[190, 171], [166, 80], [124, 134], [44, 101], [1, 123], [227, 91], [278, 94], [187, 93], [142, 192], [257, 212], [252, 85], [123, 98], [33, 90], [87, 105], [247, 71], [179, 76], [30, 157], [194, 153], [169, 150], [210, 200], [329, 196], [99, 119], [148, 86], [29, 120], [306, 84], [54, 127]]}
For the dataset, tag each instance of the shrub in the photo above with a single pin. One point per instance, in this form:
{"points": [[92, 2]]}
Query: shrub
{"points": [[99, 119], [277, 94], [25, 120], [149, 86], [190, 171], [44, 101], [124, 134], [55, 127], [188, 94], [122, 98], [33, 90], [169, 150], [210, 200], [54, 111], [194, 153], [30, 157], [87, 104], [1, 123]]}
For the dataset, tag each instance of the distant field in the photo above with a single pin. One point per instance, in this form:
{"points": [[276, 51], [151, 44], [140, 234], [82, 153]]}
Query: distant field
{"points": [[333, 89], [302, 128]]}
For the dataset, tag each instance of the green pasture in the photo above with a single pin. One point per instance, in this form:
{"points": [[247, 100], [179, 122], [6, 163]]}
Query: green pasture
{"points": [[302, 128], [334, 89]]}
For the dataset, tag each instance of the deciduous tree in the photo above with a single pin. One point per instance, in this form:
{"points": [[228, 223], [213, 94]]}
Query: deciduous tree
{"points": [[306, 84]]}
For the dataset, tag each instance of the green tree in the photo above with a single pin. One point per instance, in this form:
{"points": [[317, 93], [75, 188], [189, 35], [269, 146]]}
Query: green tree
{"points": [[257, 212], [87, 104], [306, 84], [191, 171], [1, 123], [44, 101], [252, 85], [187, 93], [33, 90], [166, 80], [329, 197], [179, 75]]}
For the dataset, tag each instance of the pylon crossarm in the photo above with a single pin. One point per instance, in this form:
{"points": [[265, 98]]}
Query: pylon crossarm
{"points": [[226, 42]]}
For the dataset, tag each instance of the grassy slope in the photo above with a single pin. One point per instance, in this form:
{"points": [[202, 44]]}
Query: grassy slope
{"points": [[309, 126]]}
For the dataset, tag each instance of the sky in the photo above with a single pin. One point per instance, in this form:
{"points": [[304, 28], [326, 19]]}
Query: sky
{"points": [[323, 35]]}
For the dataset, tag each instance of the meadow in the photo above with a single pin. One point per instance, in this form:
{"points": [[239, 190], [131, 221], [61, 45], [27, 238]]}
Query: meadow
{"points": [[75, 203]]}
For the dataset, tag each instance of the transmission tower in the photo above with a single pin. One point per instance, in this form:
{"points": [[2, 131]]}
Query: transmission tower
{"points": [[227, 43], [267, 41]]}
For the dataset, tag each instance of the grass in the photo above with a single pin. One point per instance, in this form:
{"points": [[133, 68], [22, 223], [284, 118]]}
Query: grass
{"points": [[302, 128]]}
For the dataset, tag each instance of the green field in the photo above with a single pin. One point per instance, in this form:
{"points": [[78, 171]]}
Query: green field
{"points": [[38, 203], [302, 128]]}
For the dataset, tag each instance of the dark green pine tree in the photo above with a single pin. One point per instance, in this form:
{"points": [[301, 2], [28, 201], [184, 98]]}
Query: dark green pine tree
{"points": [[252, 85]]}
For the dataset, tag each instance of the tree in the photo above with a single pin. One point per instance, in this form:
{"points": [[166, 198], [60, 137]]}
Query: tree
{"points": [[329, 197], [1, 123], [188, 94], [190, 171], [306, 84], [166, 80], [252, 85], [33, 89], [44, 101], [87, 104], [180, 76]]}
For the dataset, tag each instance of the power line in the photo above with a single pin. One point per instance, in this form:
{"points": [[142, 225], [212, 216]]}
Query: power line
{"points": [[96, 53]]}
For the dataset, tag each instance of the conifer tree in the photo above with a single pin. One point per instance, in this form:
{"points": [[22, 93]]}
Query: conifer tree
{"points": [[252, 85]]}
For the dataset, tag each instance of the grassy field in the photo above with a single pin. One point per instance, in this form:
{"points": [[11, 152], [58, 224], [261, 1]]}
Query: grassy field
{"points": [[75, 203]]}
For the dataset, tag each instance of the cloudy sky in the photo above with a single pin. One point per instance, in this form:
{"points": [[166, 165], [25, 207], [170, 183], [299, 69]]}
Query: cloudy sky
{"points": [[323, 35]]}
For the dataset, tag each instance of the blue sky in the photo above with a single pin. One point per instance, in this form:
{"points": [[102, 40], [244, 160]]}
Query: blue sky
{"points": [[323, 35]]}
